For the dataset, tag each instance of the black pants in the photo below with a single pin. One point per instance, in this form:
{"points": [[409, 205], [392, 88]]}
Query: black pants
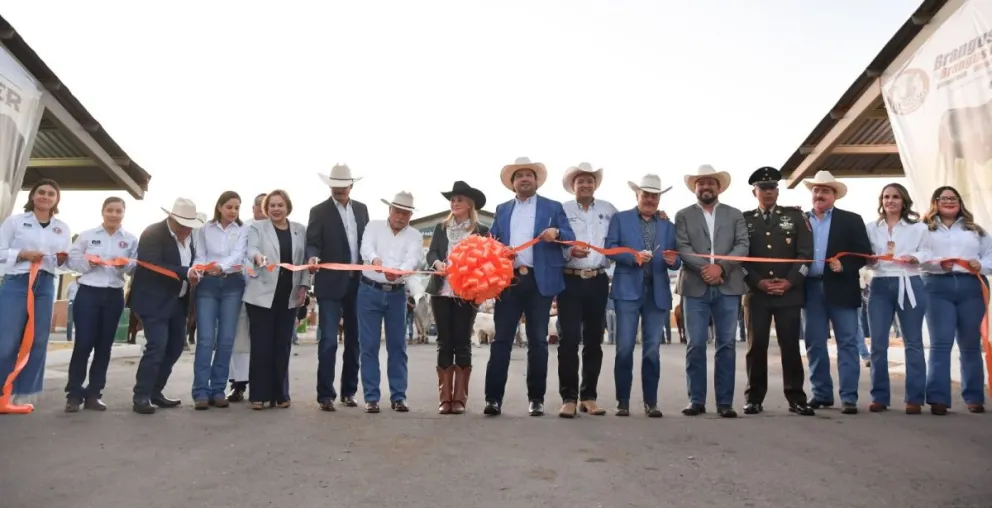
{"points": [[271, 332], [165, 336], [582, 316], [98, 310], [454, 318], [787, 326]]}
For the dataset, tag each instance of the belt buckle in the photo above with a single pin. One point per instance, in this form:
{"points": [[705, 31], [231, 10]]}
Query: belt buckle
{"points": [[523, 270], [587, 273], [386, 287]]}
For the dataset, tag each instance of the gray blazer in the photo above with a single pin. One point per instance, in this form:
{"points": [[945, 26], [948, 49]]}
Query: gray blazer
{"points": [[262, 239], [692, 236]]}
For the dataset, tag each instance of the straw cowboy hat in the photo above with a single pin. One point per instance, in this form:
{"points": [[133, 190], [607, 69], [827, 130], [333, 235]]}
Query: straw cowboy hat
{"points": [[506, 175], [574, 171], [707, 171], [461, 188], [340, 176], [649, 183], [825, 179], [403, 200], [184, 212]]}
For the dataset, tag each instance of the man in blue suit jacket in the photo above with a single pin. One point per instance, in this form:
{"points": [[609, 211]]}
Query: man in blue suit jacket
{"points": [[641, 291], [538, 273]]}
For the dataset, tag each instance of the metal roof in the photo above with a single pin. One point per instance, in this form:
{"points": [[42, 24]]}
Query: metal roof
{"points": [[59, 153]]}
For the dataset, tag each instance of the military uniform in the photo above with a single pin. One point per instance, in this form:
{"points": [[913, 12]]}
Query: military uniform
{"points": [[784, 233]]}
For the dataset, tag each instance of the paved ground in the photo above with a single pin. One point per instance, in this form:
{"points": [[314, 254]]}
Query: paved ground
{"points": [[301, 457]]}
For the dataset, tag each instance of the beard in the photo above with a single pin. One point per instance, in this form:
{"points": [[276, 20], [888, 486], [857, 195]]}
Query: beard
{"points": [[706, 198]]}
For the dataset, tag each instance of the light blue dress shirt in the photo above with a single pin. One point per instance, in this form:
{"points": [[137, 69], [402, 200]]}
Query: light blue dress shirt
{"points": [[522, 229], [821, 235]]}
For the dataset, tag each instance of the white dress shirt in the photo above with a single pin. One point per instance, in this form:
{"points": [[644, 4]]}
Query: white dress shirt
{"points": [[402, 251], [522, 227], [710, 218], [956, 242], [347, 213], [224, 246], [185, 256], [905, 240], [23, 232], [590, 226], [99, 242]]}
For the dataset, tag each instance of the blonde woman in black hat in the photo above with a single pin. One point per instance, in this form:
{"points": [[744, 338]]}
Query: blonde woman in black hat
{"points": [[454, 317]]}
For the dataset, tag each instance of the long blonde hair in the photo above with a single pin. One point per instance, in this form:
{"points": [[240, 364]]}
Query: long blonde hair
{"points": [[473, 217], [932, 217]]}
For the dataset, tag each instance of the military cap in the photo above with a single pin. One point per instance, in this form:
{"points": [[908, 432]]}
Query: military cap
{"points": [[766, 175]]}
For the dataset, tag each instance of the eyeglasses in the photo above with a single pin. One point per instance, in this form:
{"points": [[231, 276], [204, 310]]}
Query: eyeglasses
{"points": [[947, 199]]}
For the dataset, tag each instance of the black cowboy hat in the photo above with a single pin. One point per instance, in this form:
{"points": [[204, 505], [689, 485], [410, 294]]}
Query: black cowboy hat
{"points": [[461, 188]]}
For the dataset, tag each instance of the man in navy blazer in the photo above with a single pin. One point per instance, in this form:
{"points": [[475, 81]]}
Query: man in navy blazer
{"points": [[162, 302], [641, 291], [538, 278]]}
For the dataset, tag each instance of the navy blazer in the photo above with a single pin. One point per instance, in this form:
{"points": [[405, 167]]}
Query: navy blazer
{"points": [[628, 276], [153, 294], [549, 258]]}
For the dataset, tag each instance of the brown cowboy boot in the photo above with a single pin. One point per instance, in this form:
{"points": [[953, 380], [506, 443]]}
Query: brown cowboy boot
{"points": [[444, 387], [460, 395]]}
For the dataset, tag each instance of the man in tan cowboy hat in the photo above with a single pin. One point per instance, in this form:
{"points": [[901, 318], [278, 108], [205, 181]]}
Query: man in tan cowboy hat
{"points": [[833, 293], [582, 304], [334, 235], [162, 302], [538, 279], [391, 243], [710, 288]]}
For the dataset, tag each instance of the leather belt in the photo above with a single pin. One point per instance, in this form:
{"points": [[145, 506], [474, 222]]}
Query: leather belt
{"points": [[587, 273], [382, 286]]}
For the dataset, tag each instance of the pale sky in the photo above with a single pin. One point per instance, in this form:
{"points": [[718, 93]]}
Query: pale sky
{"points": [[251, 96]]}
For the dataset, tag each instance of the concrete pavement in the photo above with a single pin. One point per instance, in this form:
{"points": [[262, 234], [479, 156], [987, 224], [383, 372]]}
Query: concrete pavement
{"points": [[301, 457]]}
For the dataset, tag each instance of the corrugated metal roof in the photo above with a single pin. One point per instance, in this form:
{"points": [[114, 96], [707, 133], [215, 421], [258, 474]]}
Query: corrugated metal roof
{"points": [[861, 165], [53, 143], [873, 131]]}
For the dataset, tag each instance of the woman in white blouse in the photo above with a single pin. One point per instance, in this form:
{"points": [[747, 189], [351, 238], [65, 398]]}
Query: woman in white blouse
{"points": [[99, 304], [34, 236], [956, 306], [220, 243], [897, 289]]}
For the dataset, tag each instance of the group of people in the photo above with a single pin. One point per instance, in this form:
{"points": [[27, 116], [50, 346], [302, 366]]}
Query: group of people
{"points": [[784, 259]]}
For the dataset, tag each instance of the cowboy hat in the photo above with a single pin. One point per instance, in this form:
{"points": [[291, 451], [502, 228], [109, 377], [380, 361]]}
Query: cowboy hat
{"points": [[584, 167], [825, 179], [340, 176], [649, 183], [461, 188], [403, 200], [506, 175], [184, 212], [707, 171]]}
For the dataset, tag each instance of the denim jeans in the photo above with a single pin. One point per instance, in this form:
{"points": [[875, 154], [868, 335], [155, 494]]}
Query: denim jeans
{"points": [[218, 305], [723, 310], [652, 320], [863, 351], [13, 318], [375, 307], [883, 306], [955, 309], [819, 316], [99, 312]]}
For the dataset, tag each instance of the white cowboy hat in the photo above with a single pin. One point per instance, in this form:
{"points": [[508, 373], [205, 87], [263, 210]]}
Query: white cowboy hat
{"points": [[649, 183], [825, 179], [340, 176], [584, 167], [184, 212], [506, 175], [403, 200], [707, 171]]}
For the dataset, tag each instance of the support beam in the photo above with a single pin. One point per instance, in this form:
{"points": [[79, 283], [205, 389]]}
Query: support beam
{"points": [[868, 101], [66, 122], [71, 162], [855, 150]]}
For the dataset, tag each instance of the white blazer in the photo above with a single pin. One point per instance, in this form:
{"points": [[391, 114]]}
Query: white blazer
{"points": [[261, 288]]}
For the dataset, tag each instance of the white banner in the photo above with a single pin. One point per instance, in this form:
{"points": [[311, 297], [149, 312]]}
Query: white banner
{"points": [[20, 114]]}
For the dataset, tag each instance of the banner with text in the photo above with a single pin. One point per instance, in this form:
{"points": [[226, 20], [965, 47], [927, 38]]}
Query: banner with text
{"points": [[20, 114]]}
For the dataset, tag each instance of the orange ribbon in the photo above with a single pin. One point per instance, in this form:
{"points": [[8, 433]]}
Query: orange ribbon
{"points": [[27, 341]]}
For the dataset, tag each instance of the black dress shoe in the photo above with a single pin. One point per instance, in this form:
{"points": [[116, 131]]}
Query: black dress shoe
{"points": [[849, 408], [492, 408], [372, 407], [399, 406], [694, 409], [817, 404], [143, 407], [94, 404], [652, 411], [801, 409], [327, 405], [535, 408], [349, 401], [623, 408], [164, 402], [726, 412], [236, 396], [72, 405], [752, 409]]}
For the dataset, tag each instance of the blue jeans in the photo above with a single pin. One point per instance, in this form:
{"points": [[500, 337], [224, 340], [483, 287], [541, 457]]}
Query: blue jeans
{"points": [[13, 318], [99, 312], [330, 313], [652, 320], [883, 306], [819, 316], [376, 306], [956, 308], [723, 309], [863, 334], [218, 304]]}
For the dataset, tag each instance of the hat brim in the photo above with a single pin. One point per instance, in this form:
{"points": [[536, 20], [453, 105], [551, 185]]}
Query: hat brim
{"points": [[506, 175], [337, 182], [568, 180], [476, 195], [637, 188], [840, 189], [397, 205], [722, 177], [198, 221]]}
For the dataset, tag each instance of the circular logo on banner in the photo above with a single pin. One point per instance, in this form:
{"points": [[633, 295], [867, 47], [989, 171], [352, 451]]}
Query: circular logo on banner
{"points": [[909, 91]]}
